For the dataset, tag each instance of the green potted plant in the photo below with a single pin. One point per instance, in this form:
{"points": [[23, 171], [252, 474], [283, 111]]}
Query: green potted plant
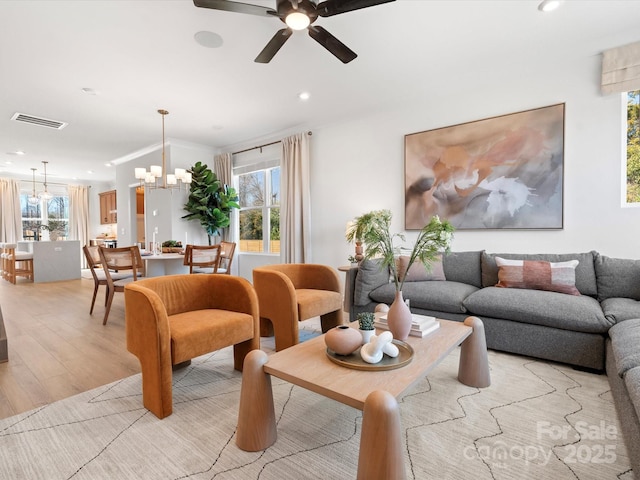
{"points": [[57, 229], [210, 201], [366, 324], [373, 228], [171, 246]]}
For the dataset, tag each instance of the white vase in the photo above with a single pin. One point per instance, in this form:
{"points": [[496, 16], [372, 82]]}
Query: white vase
{"points": [[366, 335]]}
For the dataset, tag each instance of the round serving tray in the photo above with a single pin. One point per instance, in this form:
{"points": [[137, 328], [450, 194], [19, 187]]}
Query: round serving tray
{"points": [[356, 362]]}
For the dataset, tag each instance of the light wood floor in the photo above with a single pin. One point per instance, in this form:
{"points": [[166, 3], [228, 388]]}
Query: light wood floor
{"points": [[56, 349]]}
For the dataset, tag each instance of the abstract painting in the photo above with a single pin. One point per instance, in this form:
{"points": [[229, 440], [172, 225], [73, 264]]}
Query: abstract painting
{"points": [[503, 172]]}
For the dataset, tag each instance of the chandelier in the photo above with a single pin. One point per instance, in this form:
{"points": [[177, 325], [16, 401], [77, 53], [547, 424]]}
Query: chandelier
{"points": [[45, 195], [169, 180], [33, 199]]}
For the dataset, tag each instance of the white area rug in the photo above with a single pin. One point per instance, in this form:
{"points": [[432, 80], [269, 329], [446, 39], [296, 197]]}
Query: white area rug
{"points": [[537, 420]]}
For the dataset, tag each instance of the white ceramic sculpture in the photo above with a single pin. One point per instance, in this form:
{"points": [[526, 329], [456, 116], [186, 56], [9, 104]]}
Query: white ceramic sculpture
{"points": [[373, 351]]}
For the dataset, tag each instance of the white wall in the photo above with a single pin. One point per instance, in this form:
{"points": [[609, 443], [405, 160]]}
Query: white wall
{"points": [[358, 166]]}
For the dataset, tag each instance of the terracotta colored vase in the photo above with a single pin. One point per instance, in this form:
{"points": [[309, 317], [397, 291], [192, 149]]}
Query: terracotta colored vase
{"points": [[399, 318], [343, 340]]}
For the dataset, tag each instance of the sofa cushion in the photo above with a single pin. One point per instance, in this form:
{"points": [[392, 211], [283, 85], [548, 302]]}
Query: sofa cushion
{"points": [[585, 271], [617, 277], [625, 344], [551, 309], [418, 272], [370, 275], [463, 267], [619, 309], [538, 275], [443, 296]]}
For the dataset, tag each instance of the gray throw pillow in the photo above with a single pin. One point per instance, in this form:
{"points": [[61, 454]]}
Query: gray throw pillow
{"points": [[617, 277], [370, 275]]}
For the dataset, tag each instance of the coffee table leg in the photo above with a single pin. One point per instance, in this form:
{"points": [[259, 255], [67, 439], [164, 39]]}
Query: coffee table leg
{"points": [[381, 454], [473, 369], [256, 417]]}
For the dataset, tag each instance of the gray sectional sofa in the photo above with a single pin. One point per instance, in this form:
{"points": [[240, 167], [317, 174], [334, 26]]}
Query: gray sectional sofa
{"points": [[596, 330]]}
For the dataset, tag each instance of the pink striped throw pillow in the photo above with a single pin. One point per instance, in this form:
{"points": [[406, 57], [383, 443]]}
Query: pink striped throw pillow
{"points": [[538, 275]]}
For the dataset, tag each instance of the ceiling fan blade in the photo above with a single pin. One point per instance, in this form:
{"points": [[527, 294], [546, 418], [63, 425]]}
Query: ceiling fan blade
{"points": [[331, 43], [238, 7], [276, 42], [334, 7]]}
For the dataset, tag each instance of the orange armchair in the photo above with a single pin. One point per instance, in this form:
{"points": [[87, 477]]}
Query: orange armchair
{"points": [[293, 292], [170, 320]]}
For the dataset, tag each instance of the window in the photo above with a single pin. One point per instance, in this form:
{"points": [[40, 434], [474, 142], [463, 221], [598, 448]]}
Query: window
{"points": [[259, 193], [45, 219], [633, 146]]}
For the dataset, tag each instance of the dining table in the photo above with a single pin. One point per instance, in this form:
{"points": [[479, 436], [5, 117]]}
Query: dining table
{"points": [[164, 264]]}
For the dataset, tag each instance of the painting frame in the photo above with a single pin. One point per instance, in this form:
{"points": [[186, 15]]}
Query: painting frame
{"points": [[499, 173]]}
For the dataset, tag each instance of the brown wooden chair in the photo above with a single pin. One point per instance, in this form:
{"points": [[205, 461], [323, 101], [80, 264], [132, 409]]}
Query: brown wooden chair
{"points": [[92, 254], [123, 259], [225, 258], [201, 258], [170, 320]]}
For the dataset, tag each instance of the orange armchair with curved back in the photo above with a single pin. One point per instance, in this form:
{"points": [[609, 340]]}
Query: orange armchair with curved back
{"points": [[292, 292], [171, 319]]}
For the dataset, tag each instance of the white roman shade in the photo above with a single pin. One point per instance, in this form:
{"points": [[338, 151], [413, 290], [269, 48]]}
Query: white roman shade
{"points": [[621, 69]]}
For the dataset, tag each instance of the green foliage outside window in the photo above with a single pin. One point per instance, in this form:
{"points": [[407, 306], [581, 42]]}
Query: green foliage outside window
{"points": [[633, 146]]}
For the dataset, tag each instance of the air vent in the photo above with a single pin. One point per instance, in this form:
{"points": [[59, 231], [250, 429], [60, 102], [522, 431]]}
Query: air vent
{"points": [[42, 122]]}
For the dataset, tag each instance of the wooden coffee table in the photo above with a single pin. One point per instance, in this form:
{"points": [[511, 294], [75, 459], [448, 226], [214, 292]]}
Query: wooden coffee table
{"points": [[374, 392]]}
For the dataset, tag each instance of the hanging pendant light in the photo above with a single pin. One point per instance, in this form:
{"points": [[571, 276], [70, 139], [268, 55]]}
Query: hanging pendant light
{"points": [[169, 181], [45, 195], [33, 199]]}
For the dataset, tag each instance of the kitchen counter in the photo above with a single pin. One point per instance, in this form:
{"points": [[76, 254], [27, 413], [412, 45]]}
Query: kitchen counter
{"points": [[54, 261]]}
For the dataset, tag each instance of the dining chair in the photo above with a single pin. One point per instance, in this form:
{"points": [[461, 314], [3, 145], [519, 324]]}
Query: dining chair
{"points": [[201, 258], [122, 259], [92, 254], [225, 258]]}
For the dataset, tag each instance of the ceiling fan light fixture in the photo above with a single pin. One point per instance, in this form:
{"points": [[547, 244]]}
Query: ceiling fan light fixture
{"points": [[297, 21]]}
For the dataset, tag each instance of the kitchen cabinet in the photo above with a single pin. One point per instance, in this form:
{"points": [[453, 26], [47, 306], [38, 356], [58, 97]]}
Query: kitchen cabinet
{"points": [[108, 211]]}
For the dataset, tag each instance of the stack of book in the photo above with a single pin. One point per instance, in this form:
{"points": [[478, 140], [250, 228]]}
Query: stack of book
{"points": [[421, 325]]}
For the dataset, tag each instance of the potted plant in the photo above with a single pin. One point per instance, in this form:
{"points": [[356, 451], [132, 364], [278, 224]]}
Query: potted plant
{"points": [[366, 322], [374, 230], [210, 201], [171, 246], [57, 228]]}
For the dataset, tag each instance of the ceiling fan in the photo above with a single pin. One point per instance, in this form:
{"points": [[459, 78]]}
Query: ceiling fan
{"points": [[298, 15]]}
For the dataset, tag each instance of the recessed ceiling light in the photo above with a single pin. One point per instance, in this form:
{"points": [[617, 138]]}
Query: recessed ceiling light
{"points": [[90, 91], [208, 39], [89, 171], [107, 164], [17, 152], [548, 5], [8, 163], [304, 95]]}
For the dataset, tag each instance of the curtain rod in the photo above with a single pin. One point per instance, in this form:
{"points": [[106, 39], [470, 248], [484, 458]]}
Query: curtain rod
{"points": [[262, 146]]}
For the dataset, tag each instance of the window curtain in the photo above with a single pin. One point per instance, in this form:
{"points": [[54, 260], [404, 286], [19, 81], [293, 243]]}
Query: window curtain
{"points": [[621, 69], [79, 215], [222, 169], [295, 207], [10, 212]]}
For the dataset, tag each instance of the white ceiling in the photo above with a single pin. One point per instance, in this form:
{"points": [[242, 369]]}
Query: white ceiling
{"points": [[140, 55]]}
